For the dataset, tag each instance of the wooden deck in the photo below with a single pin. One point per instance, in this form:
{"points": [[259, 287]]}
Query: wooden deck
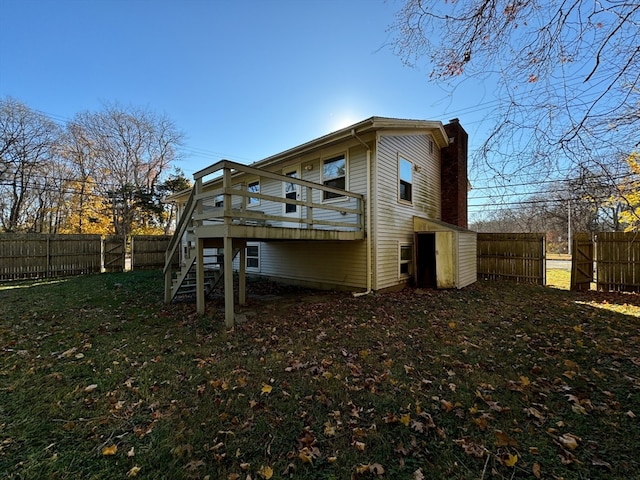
{"points": [[267, 233], [222, 213]]}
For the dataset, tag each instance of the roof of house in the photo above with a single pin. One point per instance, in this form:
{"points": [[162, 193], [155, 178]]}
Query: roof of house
{"points": [[360, 128], [365, 126], [435, 127]]}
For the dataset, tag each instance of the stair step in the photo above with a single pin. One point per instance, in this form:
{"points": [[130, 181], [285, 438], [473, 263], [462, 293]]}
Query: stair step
{"points": [[184, 281]]}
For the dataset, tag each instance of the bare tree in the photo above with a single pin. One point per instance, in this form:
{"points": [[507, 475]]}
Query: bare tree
{"points": [[130, 150], [567, 75], [27, 140]]}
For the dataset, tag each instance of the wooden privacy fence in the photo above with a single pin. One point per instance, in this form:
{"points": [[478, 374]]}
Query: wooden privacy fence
{"points": [[618, 261], [37, 255], [512, 256], [148, 251], [25, 256]]}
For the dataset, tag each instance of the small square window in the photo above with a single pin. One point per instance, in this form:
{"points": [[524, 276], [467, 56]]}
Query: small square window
{"points": [[334, 174]]}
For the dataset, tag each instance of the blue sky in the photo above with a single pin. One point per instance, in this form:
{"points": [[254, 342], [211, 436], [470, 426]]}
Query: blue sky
{"points": [[242, 79]]}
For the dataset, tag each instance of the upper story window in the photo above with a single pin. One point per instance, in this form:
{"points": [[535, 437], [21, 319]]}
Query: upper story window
{"points": [[334, 174], [405, 176], [253, 187]]}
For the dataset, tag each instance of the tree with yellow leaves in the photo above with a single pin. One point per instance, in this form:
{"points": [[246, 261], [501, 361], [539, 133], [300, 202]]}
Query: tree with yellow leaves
{"points": [[87, 211], [629, 195]]}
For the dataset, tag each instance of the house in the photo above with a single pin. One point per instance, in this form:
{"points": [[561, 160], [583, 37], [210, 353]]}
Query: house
{"points": [[373, 206]]}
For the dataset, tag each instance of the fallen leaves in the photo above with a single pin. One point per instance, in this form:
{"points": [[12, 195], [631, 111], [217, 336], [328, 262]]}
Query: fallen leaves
{"points": [[266, 389], [504, 440], [265, 472], [509, 460], [535, 469], [365, 389], [134, 471], [471, 448], [405, 419], [110, 450], [569, 441]]}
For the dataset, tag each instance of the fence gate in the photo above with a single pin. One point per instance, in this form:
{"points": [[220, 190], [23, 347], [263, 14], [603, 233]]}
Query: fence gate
{"points": [[582, 261], [114, 253]]}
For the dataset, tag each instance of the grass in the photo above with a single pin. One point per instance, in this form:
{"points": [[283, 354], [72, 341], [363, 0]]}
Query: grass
{"points": [[100, 380], [558, 278]]}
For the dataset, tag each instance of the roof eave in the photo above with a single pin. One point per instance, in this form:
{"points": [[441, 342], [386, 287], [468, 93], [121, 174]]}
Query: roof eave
{"points": [[435, 127]]}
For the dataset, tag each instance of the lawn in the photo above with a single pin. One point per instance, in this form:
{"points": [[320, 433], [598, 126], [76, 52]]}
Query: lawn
{"points": [[101, 380]]}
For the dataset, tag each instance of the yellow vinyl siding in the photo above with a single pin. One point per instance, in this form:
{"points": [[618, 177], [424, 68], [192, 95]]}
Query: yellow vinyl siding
{"points": [[341, 264], [394, 219]]}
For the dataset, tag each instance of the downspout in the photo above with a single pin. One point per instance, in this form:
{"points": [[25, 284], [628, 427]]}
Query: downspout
{"points": [[368, 214]]}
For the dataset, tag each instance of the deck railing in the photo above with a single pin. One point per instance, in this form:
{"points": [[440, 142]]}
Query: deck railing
{"points": [[226, 199]]}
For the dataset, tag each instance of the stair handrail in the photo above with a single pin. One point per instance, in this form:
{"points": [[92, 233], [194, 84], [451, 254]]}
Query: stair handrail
{"points": [[185, 218]]}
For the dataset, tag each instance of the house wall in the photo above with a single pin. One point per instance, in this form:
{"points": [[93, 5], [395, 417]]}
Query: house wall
{"points": [[345, 263], [310, 168], [392, 218], [320, 264]]}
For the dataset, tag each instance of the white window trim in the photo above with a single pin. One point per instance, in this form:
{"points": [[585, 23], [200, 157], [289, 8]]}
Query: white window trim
{"points": [[248, 268], [346, 175], [400, 199], [298, 189], [257, 203], [405, 262]]}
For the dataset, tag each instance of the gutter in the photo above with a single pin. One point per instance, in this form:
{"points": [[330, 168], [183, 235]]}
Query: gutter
{"points": [[368, 214]]}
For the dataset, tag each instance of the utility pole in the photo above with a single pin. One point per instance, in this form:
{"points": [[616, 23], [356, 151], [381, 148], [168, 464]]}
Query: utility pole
{"points": [[569, 229]]}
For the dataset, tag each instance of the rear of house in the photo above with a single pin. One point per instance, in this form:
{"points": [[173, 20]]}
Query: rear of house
{"points": [[343, 210]]}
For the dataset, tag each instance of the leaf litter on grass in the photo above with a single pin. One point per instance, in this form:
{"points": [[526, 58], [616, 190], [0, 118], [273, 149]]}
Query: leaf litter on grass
{"points": [[496, 379]]}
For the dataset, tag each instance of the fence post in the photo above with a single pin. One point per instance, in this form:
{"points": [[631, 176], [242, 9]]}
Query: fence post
{"points": [[132, 255], [48, 267]]}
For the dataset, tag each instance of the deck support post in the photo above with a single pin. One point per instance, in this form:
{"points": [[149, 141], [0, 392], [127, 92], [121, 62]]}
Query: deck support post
{"points": [[242, 277], [167, 285], [200, 293], [229, 314]]}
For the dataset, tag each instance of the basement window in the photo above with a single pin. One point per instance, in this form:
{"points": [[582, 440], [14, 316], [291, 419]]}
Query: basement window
{"points": [[253, 257], [406, 260], [334, 174], [405, 176]]}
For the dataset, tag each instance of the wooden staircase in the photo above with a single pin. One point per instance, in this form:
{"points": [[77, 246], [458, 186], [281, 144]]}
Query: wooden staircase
{"points": [[183, 282]]}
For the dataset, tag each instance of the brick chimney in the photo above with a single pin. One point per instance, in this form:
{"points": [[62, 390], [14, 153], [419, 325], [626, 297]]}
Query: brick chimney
{"points": [[453, 175]]}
